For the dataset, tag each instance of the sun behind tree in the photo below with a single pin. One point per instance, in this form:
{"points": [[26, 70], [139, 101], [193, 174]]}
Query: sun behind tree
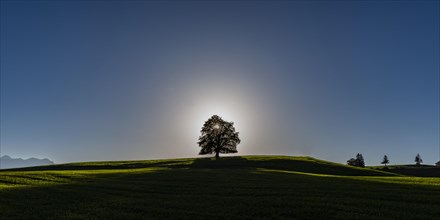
{"points": [[218, 136]]}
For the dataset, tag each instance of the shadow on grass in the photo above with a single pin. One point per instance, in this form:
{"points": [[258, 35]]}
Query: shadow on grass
{"points": [[301, 165], [310, 166]]}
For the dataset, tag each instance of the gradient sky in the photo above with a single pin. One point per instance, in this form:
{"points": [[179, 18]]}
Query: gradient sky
{"points": [[113, 80]]}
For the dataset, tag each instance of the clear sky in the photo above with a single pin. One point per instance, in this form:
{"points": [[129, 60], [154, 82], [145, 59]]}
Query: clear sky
{"points": [[120, 80]]}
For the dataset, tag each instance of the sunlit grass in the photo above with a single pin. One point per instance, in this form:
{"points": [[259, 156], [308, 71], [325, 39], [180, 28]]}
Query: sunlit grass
{"points": [[11, 179], [427, 181]]}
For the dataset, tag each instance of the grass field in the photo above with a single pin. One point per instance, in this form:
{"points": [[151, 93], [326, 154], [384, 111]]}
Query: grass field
{"points": [[249, 187], [412, 170]]}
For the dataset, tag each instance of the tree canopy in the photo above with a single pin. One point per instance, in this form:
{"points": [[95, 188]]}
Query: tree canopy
{"points": [[218, 136]]}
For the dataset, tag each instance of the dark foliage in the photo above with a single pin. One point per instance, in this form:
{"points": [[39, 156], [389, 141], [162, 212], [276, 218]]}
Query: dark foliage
{"points": [[358, 162], [218, 136], [351, 162], [418, 160], [385, 160]]}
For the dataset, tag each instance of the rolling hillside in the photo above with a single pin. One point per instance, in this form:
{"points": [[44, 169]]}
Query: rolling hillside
{"points": [[411, 170], [249, 187]]}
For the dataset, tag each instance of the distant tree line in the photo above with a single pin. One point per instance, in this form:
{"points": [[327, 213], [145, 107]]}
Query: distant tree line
{"points": [[358, 161]]}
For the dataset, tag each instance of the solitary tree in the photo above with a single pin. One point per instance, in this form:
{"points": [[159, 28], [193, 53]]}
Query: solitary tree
{"points": [[418, 160], [385, 160], [218, 136]]}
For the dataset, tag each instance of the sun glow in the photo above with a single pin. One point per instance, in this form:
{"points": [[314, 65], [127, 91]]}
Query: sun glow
{"points": [[230, 106], [194, 102]]}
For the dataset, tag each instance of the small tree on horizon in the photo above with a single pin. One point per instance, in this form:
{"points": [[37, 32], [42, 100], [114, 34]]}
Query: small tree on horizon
{"points": [[218, 136], [358, 162], [418, 160], [385, 160], [360, 159]]}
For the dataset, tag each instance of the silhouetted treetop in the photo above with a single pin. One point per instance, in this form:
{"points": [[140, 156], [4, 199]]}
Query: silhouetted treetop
{"points": [[218, 136]]}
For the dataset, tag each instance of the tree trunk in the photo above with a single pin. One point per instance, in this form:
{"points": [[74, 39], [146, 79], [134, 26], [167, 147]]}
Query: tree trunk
{"points": [[217, 155]]}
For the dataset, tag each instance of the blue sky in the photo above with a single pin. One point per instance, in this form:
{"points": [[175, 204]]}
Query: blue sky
{"points": [[120, 80]]}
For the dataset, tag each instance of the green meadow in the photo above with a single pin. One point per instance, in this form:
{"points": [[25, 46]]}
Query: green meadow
{"points": [[248, 187]]}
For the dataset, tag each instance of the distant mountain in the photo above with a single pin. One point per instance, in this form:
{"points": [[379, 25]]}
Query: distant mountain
{"points": [[8, 162]]}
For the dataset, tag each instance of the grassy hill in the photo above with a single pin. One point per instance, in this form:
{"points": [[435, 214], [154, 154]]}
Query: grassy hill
{"points": [[249, 187], [411, 170]]}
